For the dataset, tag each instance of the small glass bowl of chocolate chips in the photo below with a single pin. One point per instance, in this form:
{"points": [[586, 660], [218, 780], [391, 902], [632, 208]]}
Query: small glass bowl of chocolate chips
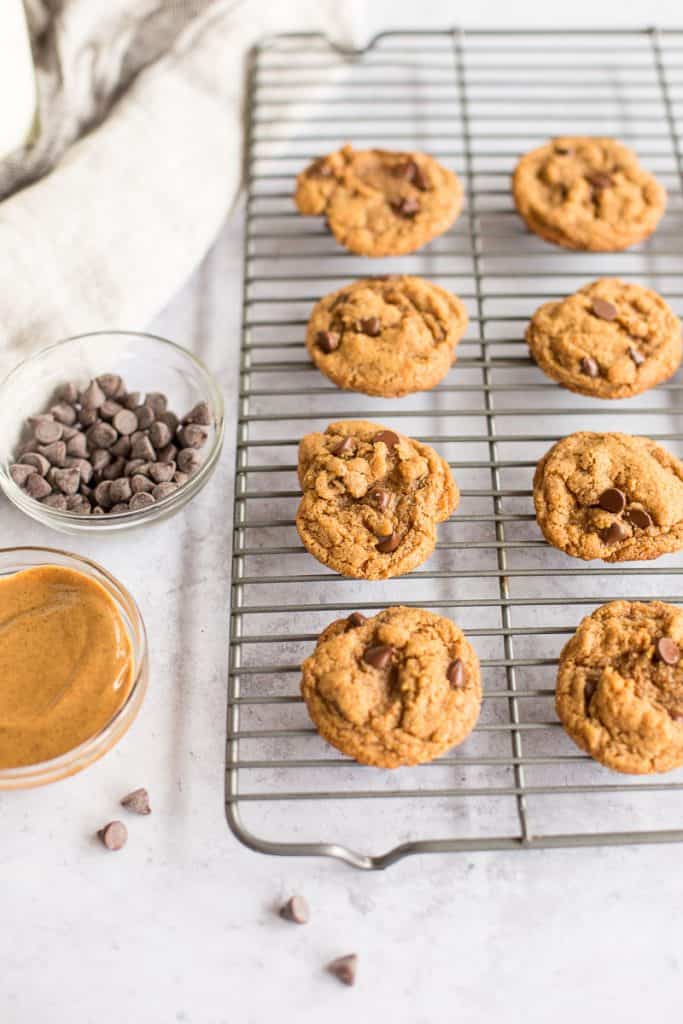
{"points": [[107, 431]]}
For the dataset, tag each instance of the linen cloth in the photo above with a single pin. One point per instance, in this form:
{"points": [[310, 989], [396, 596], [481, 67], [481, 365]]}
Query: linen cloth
{"points": [[137, 159]]}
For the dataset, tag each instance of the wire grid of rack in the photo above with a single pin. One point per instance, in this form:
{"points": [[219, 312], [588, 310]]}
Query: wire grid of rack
{"points": [[476, 101]]}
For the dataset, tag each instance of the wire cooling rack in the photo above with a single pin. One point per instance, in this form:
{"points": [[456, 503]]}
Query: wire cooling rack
{"points": [[476, 101]]}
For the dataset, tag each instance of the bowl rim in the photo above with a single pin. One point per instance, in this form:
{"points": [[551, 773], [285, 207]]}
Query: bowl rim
{"points": [[79, 523], [89, 750]]}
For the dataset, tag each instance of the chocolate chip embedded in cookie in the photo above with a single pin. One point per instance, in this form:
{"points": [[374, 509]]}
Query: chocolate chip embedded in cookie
{"points": [[610, 496], [608, 340], [386, 692], [620, 686], [386, 336], [378, 202], [587, 193], [372, 499]]}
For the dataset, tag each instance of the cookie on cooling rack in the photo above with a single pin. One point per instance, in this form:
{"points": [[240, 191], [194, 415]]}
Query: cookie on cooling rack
{"points": [[380, 202], [587, 193], [610, 496], [397, 689], [372, 499], [610, 339], [620, 686], [386, 336]]}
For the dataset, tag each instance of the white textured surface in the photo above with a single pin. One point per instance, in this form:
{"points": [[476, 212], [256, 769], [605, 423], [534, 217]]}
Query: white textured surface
{"points": [[180, 925]]}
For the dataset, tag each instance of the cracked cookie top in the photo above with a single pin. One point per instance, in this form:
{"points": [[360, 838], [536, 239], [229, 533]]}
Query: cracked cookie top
{"points": [[372, 499], [587, 193], [620, 686], [610, 339], [610, 496], [380, 202], [386, 336], [396, 689]]}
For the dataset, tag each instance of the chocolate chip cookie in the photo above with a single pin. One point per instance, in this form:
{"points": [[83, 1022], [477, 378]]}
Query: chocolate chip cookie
{"points": [[379, 202], [608, 340], [386, 336], [620, 686], [610, 496], [396, 689], [372, 499], [587, 193]]}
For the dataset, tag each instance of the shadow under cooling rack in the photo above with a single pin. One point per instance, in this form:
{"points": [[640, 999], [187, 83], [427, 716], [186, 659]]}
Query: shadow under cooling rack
{"points": [[476, 101]]}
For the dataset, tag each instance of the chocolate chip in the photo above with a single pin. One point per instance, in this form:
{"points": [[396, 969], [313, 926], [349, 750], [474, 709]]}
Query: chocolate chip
{"points": [[161, 472], [380, 498], [344, 968], [355, 620], [120, 506], [64, 414], [599, 180], [93, 396], [55, 453], [114, 470], [67, 393], [133, 400], [110, 383], [101, 435], [84, 467], [145, 416], [140, 500], [157, 402], [86, 417], [47, 431], [455, 673], [612, 500], [295, 910], [603, 309], [58, 501], [408, 206], [320, 168], [20, 473], [109, 409], [327, 341], [378, 656], [120, 490], [637, 357], [419, 179], [639, 517], [159, 434], [167, 453], [589, 366], [189, 460], [100, 459], [125, 421], [164, 490], [67, 480], [114, 835], [588, 692], [180, 478], [77, 446], [79, 504], [615, 533], [137, 802], [563, 150], [102, 493], [199, 414], [389, 438], [142, 448], [193, 436], [122, 447], [389, 544], [347, 445], [39, 462], [668, 650], [372, 326], [140, 484], [37, 486]]}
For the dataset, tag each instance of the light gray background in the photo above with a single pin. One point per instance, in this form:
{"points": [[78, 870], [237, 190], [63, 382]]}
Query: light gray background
{"points": [[180, 926]]}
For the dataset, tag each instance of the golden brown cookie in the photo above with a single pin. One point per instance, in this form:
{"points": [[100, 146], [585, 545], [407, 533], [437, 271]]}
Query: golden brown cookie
{"points": [[620, 686], [386, 336], [396, 689], [372, 499], [608, 340], [587, 193], [379, 202], [610, 496]]}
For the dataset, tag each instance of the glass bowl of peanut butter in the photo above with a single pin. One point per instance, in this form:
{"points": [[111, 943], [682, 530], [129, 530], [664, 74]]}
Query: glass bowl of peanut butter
{"points": [[73, 664]]}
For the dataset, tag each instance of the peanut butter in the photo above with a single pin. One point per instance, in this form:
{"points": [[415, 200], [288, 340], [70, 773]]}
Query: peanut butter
{"points": [[66, 663]]}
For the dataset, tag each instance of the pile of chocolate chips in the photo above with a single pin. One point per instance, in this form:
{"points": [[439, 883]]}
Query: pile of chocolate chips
{"points": [[105, 449]]}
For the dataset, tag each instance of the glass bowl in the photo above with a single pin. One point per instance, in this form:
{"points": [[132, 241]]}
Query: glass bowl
{"points": [[13, 560], [146, 363]]}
